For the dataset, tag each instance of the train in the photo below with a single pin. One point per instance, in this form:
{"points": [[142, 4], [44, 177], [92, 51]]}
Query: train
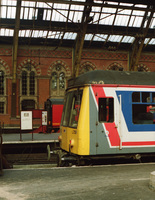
{"points": [[50, 116], [108, 114], [54, 108]]}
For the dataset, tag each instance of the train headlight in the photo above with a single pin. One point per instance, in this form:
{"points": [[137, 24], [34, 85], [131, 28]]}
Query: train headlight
{"points": [[71, 143], [60, 138]]}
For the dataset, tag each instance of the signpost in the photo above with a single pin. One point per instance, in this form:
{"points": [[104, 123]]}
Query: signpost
{"points": [[26, 122], [44, 118]]}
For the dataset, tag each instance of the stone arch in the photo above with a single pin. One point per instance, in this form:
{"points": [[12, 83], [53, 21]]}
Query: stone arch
{"points": [[143, 68], [115, 66], [57, 63], [84, 67], [29, 61], [5, 67]]}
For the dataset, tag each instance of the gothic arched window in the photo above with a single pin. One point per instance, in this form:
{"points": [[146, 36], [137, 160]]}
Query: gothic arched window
{"points": [[115, 67], [28, 83], [3, 99], [32, 83], [24, 83], [54, 80], [28, 96], [85, 68], [62, 80], [1, 82], [58, 81]]}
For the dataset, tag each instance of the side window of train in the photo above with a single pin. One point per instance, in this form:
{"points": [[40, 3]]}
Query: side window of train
{"points": [[143, 107], [106, 109]]}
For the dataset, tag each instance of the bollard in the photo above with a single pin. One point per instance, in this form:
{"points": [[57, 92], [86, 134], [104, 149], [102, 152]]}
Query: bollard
{"points": [[152, 181]]}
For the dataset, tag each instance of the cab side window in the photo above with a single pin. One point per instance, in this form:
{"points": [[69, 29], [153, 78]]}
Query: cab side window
{"points": [[106, 109], [75, 109]]}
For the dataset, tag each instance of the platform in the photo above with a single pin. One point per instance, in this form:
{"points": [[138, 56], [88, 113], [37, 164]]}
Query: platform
{"points": [[17, 138], [110, 182], [28, 148]]}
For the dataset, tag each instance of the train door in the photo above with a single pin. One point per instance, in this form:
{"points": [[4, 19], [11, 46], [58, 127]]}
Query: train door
{"points": [[105, 124], [101, 120]]}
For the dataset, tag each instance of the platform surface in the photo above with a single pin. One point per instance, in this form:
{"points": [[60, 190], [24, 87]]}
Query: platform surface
{"points": [[109, 182], [15, 138]]}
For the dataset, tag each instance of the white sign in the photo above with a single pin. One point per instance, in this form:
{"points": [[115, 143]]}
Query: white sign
{"points": [[26, 120], [44, 118]]}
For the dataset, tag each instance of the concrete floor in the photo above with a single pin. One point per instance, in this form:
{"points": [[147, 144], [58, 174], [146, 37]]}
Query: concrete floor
{"points": [[109, 182]]}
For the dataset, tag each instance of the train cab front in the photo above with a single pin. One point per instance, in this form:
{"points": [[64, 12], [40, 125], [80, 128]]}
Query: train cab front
{"points": [[74, 129]]}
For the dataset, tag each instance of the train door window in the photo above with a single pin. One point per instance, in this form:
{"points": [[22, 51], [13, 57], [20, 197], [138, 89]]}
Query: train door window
{"points": [[75, 109], [71, 111], [143, 112], [106, 109]]}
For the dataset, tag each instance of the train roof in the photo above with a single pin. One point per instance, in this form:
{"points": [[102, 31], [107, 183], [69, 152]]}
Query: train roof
{"points": [[113, 77], [56, 101]]}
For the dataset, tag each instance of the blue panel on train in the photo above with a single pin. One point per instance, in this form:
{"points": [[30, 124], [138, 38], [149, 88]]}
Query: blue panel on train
{"points": [[127, 111]]}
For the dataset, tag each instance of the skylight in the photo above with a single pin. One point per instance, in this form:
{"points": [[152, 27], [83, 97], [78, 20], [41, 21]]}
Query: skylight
{"points": [[106, 13]]}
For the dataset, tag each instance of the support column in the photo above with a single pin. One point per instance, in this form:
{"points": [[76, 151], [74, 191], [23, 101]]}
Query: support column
{"points": [[80, 38], [139, 41], [14, 60]]}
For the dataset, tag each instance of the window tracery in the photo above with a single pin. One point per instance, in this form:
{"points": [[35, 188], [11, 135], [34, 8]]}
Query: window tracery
{"points": [[28, 92], [58, 81]]}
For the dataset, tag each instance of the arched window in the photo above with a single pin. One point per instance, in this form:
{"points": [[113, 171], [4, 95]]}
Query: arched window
{"points": [[85, 68], [32, 83], [58, 81], [28, 83], [62, 80], [142, 68], [24, 83], [28, 90], [115, 67], [54, 80], [3, 100], [1, 82]]}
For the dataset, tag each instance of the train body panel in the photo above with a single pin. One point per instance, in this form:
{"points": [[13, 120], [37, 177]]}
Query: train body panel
{"points": [[83, 126], [120, 135], [109, 118]]}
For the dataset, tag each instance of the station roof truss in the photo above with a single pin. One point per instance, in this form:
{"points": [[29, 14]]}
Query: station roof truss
{"points": [[111, 25]]}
